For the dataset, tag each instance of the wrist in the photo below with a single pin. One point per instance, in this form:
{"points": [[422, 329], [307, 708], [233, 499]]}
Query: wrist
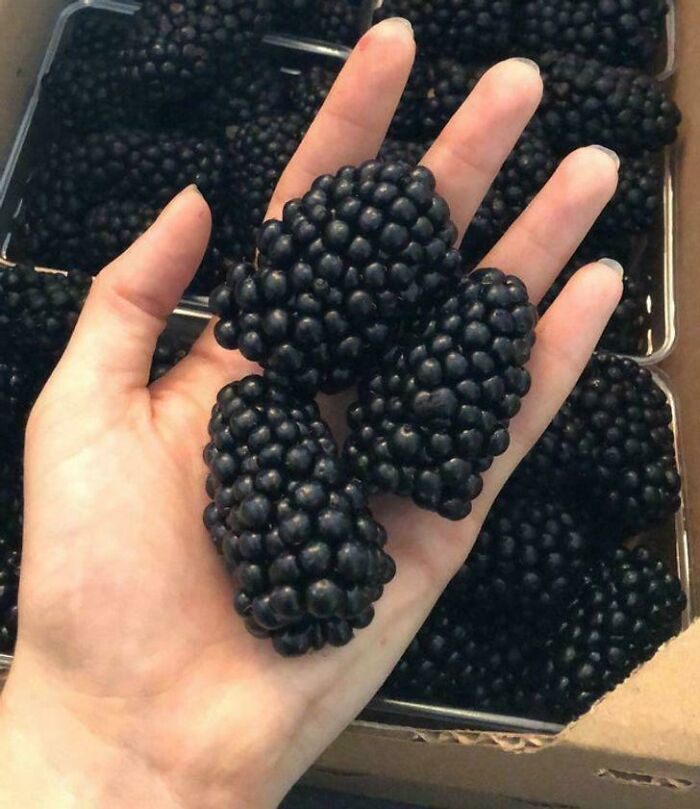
{"points": [[51, 758]]}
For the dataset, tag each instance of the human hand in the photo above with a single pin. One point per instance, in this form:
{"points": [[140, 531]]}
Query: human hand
{"points": [[133, 680]]}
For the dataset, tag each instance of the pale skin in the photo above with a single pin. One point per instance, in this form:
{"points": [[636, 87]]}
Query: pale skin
{"points": [[134, 683]]}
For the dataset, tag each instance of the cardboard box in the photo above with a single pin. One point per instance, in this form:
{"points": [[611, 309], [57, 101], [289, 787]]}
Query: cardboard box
{"points": [[639, 748]]}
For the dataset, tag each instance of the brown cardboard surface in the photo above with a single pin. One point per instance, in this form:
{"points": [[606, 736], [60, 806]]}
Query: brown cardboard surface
{"points": [[640, 746]]}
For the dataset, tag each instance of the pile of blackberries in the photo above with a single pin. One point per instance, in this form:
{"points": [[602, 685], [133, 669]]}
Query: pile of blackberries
{"points": [[557, 604]]}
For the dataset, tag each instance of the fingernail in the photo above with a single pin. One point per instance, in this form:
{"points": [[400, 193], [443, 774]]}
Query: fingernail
{"points": [[609, 152], [403, 21], [614, 265], [529, 62], [194, 187]]}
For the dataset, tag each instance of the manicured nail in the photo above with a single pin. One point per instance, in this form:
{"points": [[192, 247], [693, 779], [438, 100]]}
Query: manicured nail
{"points": [[614, 265], [529, 62], [609, 152], [403, 21]]}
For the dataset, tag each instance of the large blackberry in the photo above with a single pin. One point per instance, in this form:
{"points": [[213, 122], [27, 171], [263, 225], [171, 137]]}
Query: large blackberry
{"points": [[529, 557], [628, 328], [9, 585], [638, 197], [112, 227], [588, 102], [177, 48], [618, 32], [431, 419], [349, 264], [628, 606], [460, 660], [260, 151], [526, 170], [297, 534], [611, 446], [463, 29], [39, 310]]}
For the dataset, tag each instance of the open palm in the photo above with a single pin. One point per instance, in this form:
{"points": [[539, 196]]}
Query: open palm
{"points": [[147, 684]]}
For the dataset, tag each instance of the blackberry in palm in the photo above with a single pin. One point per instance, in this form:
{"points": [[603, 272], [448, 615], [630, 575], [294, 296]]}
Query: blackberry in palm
{"points": [[350, 265], [306, 555], [430, 420]]}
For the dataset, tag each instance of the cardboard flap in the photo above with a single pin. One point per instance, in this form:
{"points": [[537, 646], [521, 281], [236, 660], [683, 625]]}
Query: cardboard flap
{"points": [[653, 714]]}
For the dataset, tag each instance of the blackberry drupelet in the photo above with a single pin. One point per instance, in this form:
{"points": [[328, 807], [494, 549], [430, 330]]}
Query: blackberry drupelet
{"points": [[526, 170], [618, 32], [259, 153], [9, 586], [463, 29], [38, 312], [350, 264], [112, 227], [588, 102], [170, 349], [460, 660], [629, 605], [432, 418], [627, 329], [529, 558], [177, 49], [305, 552], [611, 446]]}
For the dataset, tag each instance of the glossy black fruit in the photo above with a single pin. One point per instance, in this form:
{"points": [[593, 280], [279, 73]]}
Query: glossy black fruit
{"points": [[306, 555], [432, 418]]}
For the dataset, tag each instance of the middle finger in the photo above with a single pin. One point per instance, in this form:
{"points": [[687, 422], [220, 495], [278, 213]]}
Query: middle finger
{"points": [[471, 149]]}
